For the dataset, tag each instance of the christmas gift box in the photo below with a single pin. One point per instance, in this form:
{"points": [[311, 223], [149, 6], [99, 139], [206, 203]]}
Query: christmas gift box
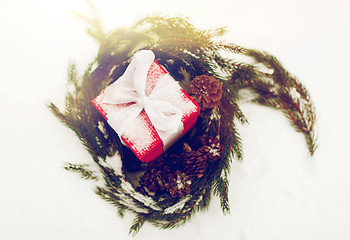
{"points": [[147, 108]]}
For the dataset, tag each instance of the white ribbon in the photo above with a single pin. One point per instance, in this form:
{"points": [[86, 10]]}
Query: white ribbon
{"points": [[130, 88]]}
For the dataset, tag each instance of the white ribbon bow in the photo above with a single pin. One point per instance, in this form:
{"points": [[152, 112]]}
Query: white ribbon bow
{"points": [[130, 88]]}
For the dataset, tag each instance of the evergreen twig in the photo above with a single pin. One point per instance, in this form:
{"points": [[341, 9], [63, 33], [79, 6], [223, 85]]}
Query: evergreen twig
{"points": [[82, 169]]}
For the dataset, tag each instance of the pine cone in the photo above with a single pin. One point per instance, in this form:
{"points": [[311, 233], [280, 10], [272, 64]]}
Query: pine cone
{"points": [[195, 164], [206, 91], [212, 147], [178, 184], [154, 179]]}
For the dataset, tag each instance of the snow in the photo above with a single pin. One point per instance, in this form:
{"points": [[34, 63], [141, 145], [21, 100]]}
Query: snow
{"points": [[277, 192], [178, 206]]}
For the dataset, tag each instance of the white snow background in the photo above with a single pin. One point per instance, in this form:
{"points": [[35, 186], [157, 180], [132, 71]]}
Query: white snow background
{"points": [[277, 192]]}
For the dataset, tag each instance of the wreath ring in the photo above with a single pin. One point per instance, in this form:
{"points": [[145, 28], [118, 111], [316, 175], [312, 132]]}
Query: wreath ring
{"points": [[167, 191]]}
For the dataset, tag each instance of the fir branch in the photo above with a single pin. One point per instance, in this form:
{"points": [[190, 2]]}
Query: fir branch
{"points": [[221, 189], [95, 30], [137, 224], [121, 211], [170, 221], [82, 170], [72, 74], [288, 94], [58, 114], [109, 197]]}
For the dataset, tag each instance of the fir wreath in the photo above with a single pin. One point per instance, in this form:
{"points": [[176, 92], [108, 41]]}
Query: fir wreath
{"points": [[167, 191]]}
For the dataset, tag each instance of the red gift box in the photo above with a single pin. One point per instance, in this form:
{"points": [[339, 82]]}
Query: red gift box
{"points": [[139, 119]]}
